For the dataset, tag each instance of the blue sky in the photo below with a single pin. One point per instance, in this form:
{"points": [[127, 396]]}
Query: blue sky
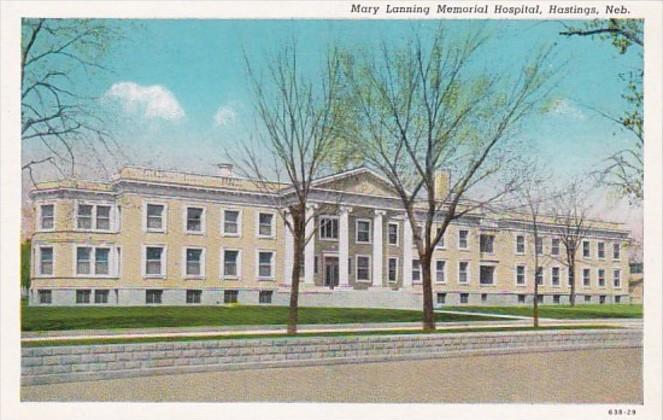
{"points": [[180, 89]]}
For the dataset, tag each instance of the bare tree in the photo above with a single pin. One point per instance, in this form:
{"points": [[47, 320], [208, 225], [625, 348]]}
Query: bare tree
{"points": [[624, 170], [571, 225], [436, 132], [63, 121], [297, 116]]}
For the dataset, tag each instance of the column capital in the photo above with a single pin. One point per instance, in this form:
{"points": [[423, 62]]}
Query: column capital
{"points": [[380, 212], [345, 209], [312, 206]]}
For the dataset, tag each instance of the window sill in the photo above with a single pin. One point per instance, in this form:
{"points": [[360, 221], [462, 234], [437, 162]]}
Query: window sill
{"points": [[194, 233], [230, 278], [265, 237], [328, 239], [487, 285], [231, 235], [265, 278], [363, 281], [363, 243], [521, 285], [195, 278], [156, 231], [154, 277]]}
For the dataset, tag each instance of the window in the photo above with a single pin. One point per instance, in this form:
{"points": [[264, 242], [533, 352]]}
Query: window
{"points": [[265, 296], [555, 298], [47, 216], [586, 277], [101, 261], [601, 276], [155, 218], [231, 222], [230, 296], [194, 220], [520, 244], [265, 225], [602, 299], [554, 249], [520, 275], [486, 243], [231, 265], [463, 271], [83, 260], [618, 299], [616, 249], [440, 266], [392, 269], [45, 296], [440, 243], [464, 297], [616, 278], [463, 239], [363, 231], [555, 276], [588, 299], [193, 296], [194, 262], [101, 296], [600, 250], [155, 261], [539, 276], [103, 218], [46, 261], [521, 298], [416, 271], [539, 298], [86, 214], [153, 296], [363, 268], [315, 264], [83, 296], [538, 245], [265, 264], [328, 228], [392, 233], [586, 252], [441, 298], [486, 275], [484, 297]]}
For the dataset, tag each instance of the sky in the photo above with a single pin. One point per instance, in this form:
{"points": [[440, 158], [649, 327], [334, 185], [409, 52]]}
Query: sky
{"points": [[180, 91]]}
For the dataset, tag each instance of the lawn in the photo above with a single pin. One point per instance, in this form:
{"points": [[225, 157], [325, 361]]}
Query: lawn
{"points": [[561, 311], [40, 318], [77, 342]]}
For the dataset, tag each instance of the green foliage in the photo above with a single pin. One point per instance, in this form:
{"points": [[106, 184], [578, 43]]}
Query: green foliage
{"points": [[25, 263]]}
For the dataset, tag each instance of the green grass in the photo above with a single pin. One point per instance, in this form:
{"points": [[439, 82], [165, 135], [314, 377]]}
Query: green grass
{"points": [[77, 342], [561, 311], [41, 318]]}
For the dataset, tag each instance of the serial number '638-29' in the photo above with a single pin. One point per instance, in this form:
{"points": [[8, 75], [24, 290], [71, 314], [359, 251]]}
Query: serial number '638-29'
{"points": [[621, 412]]}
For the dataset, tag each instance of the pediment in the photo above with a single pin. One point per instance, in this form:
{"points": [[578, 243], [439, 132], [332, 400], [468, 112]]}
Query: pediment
{"points": [[359, 182]]}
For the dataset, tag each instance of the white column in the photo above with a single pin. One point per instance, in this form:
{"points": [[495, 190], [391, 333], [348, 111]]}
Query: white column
{"points": [[289, 252], [309, 249], [407, 253], [377, 247], [344, 246]]}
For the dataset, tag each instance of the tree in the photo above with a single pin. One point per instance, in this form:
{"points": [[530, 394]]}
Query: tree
{"points": [[297, 116], [571, 226], [625, 169], [436, 132], [63, 121]]}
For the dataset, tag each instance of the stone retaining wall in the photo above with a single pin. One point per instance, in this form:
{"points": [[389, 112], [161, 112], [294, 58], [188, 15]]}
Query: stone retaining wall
{"points": [[93, 362]]}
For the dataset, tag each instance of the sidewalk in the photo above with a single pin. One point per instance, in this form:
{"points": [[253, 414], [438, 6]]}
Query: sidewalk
{"points": [[510, 321]]}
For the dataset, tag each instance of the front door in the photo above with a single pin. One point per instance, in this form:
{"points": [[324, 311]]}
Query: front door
{"points": [[331, 272]]}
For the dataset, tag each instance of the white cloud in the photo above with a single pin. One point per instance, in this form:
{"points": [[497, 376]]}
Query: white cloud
{"points": [[153, 101], [567, 108], [224, 115]]}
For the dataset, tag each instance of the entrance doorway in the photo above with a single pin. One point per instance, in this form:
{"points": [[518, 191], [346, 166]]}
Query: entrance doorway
{"points": [[331, 272]]}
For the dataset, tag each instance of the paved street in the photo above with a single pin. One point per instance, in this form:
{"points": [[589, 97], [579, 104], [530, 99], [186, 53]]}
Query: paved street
{"points": [[583, 376]]}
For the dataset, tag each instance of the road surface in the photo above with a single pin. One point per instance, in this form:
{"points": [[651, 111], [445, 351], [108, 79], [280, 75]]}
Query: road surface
{"points": [[578, 376]]}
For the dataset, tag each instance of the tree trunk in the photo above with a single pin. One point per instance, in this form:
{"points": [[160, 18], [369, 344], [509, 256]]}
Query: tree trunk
{"points": [[572, 278], [535, 311], [293, 309], [429, 315]]}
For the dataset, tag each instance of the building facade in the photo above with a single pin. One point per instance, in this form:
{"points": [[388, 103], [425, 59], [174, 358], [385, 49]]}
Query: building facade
{"points": [[150, 237]]}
